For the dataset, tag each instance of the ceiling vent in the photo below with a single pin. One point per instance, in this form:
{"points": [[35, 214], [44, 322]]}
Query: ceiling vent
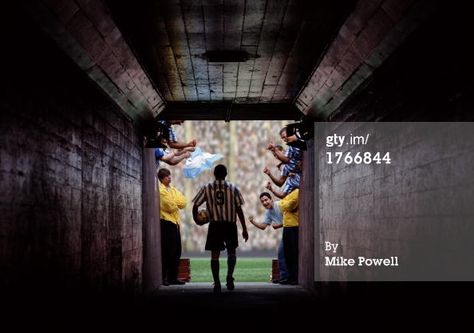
{"points": [[218, 56]]}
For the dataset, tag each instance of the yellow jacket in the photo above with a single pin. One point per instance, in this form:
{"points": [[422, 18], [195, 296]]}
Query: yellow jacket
{"points": [[289, 208], [171, 201]]}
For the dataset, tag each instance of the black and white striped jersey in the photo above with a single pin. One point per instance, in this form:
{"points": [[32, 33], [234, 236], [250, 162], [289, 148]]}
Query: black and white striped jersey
{"points": [[222, 200]]}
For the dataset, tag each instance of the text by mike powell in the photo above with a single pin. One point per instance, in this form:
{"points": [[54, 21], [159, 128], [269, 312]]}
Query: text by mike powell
{"points": [[340, 261]]}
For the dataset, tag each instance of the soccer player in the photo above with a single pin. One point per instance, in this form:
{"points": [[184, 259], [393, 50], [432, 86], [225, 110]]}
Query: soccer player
{"points": [[224, 203]]}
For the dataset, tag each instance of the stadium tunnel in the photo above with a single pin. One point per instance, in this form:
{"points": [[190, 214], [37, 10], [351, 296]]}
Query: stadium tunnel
{"points": [[82, 80]]}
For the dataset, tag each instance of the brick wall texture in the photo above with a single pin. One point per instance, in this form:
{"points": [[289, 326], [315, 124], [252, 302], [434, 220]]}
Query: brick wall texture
{"points": [[421, 206], [70, 175]]}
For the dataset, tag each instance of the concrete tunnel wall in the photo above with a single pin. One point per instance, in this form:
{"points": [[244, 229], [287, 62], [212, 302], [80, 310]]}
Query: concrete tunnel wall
{"points": [[407, 208], [70, 179]]}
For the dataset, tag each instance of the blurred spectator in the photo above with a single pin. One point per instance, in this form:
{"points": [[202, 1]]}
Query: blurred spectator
{"points": [[291, 160], [289, 208], [171, 201], [172, 158], [273, 217]]}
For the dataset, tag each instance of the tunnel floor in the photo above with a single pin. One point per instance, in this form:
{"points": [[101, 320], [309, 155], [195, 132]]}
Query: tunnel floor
{"points": [[264, 306], [261, 304], [184, 306], [246, 295]]}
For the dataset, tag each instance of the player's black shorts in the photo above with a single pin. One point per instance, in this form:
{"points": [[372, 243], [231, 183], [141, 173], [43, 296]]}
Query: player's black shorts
{"points": [[221, 236]]}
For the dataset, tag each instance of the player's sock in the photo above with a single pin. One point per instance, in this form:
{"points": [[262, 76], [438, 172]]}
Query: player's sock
{"points": [[215, 270], [231, 260]]}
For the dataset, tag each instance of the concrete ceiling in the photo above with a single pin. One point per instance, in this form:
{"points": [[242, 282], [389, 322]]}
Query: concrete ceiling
{"points": [[280, 41], [155, 58]]}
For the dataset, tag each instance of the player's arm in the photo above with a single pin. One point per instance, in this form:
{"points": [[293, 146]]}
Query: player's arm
{"points": [[195, 214], [241, 216], [198, 200]]}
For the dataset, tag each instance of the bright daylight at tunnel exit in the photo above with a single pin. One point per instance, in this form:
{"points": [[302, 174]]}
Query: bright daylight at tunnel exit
{"points": [[243, 147]]}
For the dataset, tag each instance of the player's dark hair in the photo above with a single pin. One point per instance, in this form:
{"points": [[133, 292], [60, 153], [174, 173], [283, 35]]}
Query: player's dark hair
{"points": [[220, 171]]}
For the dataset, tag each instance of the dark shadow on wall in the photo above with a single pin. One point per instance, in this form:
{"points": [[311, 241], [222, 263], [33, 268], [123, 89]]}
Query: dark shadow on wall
{"points": [[429, 78], [37, 248], [70, 177]]}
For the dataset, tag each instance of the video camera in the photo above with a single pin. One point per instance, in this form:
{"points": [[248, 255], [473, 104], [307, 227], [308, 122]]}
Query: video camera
{"points": [[303, 130], [158, 135]]}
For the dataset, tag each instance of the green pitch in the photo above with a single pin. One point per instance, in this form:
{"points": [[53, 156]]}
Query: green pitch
{"points": [[246, 270]]}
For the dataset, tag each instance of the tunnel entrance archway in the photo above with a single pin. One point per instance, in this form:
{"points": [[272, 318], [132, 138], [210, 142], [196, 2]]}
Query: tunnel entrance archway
{"points": [[242, 141]]}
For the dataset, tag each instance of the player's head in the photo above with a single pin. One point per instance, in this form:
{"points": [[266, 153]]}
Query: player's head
{"points": [[220, 172], [266, 200]]}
